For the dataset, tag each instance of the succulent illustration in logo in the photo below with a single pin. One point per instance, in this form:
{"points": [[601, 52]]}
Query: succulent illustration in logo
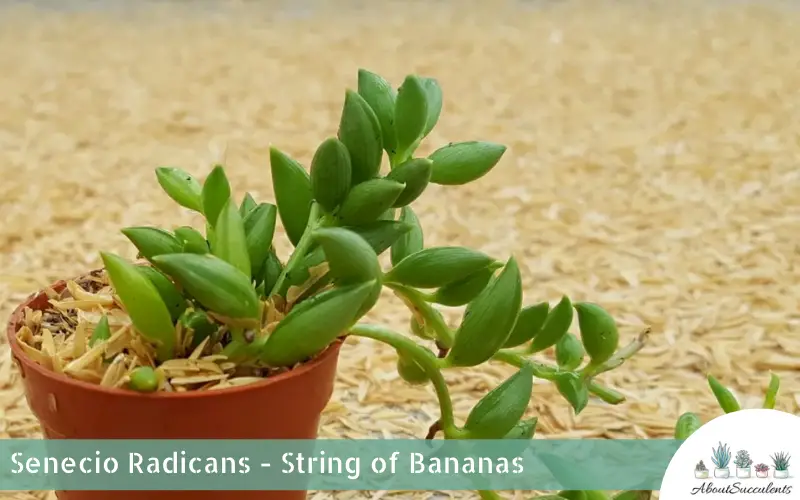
{"points": [[762, 470], [721, 457], [743, 463], [781, 463], [700, 470]]}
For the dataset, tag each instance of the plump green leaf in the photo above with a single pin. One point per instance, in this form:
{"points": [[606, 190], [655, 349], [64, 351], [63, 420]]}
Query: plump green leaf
{"points": [[529, 323], [410, 114], [489, 319], [152, 241], [191, 240], [572, 494], [555, 326], [464, 162], [293, 195], [248, 204], [313, 325], [216, 193], [727, 401], [412, 241], [230, 241], [380, 96], [143, 379], [499, 410], [686, 425], [772, 392], [214, 283], [366, 201], [181, 187], [381, 234], [438, 266], [433, 94], [143, 303], [350, 257], [200, 324], [569, 352], [169, 293], [524, 429], [415, 174], [273, 268], [411, 371], [598, 332], [360, 132], [574, 390], [331, 174], [460, 292], [101, 333], [259, 229]]}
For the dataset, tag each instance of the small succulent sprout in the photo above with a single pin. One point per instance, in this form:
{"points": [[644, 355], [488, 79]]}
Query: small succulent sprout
{"points": [[598, 332], [144, 379], [558, 321], [216, 193], [727, 401], [686, 425], [313, 325], [101, 332], [381, 97], [412, 241], [259, 229], [420, 330], [574, 389], [489, 319], [248, 205], [191, 240], [331, 174], [772, 392], [410, 371], [181, 187], [367, 200], [214, 283], [463, 162], [153, 241], [172, 297], [360, 132], [569, 352], [200, 324], [529, 323], [293, 194], [410, 115], [463, 291], [500, 410], [148, 313], [438, 266], [415, 175]]}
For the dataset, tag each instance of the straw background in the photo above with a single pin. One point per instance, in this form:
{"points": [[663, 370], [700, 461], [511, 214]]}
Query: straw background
{"points": [[652, 168]]}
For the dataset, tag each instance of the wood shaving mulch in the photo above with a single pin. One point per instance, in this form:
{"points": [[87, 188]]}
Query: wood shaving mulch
{"points": [[652, 168]]}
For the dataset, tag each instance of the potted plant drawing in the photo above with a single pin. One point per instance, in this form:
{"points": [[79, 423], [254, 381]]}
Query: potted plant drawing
{"points": [[780, 463], [700, 470], [762, 470], [743, 463], [721, 457], [210, 334]]}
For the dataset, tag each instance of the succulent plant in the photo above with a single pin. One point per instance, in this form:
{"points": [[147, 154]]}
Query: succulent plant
{"points": [[743, 460], [700, 467], [721, 456], [781, 461]]}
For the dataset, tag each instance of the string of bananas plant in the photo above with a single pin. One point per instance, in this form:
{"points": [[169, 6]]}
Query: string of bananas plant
{"points": [[227, 286]]}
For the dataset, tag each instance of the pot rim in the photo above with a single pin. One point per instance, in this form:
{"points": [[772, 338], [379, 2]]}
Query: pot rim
{"points": [[21, 358]]}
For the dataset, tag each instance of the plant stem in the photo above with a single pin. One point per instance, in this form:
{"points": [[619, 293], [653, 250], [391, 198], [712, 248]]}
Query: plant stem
{"points": [[425, 359], [417, 299], [547, 372], [300, 250]]}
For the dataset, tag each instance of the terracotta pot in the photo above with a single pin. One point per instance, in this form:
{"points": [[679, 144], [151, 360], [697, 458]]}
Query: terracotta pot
{"points": [[287, 406]]}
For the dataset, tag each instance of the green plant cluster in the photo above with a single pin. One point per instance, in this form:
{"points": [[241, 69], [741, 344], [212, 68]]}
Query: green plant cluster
{"points": [[340, 215]]}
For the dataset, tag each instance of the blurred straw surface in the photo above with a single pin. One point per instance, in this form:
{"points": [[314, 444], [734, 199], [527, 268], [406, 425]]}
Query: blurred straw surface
{"points": [[652, 168]]}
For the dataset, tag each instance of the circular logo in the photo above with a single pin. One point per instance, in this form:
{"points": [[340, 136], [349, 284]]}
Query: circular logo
{"points": [[747, 454]]}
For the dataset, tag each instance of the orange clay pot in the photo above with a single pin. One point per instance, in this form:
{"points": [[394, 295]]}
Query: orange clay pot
{"points": [[286, 406]]}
